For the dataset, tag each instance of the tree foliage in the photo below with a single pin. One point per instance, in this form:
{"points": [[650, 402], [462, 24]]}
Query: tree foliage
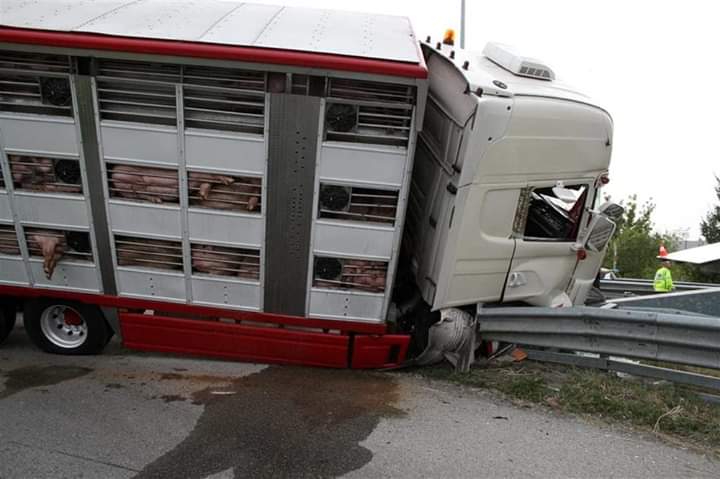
{"points": [[710, 226], [634, 248]]}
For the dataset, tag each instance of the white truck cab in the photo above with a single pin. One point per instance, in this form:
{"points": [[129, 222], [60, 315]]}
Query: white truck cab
{"points": [[518, 159]]}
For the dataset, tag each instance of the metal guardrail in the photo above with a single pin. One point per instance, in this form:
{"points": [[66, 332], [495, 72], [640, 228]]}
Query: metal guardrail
{"points": [[617, 288], [680, 338], [627, 367]]}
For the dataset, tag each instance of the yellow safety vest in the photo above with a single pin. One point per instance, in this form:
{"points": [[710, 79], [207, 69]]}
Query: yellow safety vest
{"points": [[663, 280]]}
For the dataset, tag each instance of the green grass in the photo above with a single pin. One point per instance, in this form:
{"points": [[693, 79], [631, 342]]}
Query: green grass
{"points": [[666, 409]]}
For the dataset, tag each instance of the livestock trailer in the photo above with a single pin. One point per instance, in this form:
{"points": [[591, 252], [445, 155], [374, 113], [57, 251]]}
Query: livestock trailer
{"points": [[279, 184]]}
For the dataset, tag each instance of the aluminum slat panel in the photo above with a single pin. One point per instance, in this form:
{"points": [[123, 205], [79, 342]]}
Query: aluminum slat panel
{"points": [[13, 271], [342, 305], [226, 293], [376, 167], [229, 229], [151, 284], [225, 153], [334, 239], [139, 144], [51, 210], [43, 136], [66, 276], [5, 213], [131, 218]]}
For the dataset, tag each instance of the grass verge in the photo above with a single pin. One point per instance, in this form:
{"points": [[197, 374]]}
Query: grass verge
{"points": [[668, 410]]}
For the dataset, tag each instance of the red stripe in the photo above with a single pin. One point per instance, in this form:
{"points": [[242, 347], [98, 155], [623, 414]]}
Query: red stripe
{"points": [[372, 352], [188, 309], [207, 50], [233, 341]]}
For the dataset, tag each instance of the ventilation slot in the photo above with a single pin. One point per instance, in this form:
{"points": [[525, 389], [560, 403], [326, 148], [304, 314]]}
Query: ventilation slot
{"points": [[137, 92], [46, 175], [357, 204], [8, 241], [367, 112], [300, 85], [350, 274], [224, 261], [143, 183], [57, 244], [148, 253], [224, 99], [35, 83], [222, 192]]}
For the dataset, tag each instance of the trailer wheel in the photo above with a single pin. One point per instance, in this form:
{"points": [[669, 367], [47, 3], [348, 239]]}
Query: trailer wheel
{"points": [[66, 327], [7, 319]]}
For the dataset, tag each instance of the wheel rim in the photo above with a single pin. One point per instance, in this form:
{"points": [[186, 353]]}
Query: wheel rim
{"points": [[63, 326]]}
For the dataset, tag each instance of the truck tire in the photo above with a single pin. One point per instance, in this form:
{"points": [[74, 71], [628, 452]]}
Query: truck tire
{"points": [[66, 327], [7, 319]]}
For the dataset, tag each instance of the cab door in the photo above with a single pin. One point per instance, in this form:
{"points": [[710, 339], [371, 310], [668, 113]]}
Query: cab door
{"points": [[474, 265], [546, 247]]}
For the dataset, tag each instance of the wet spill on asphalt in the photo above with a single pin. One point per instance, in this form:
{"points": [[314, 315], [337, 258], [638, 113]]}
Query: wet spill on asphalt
{"points": [[35, 376], [282, 422]]}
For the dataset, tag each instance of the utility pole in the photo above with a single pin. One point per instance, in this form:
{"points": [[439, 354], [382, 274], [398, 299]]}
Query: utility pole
{"points": [[462, 23]]}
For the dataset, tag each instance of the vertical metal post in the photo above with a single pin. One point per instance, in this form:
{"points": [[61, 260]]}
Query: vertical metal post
{"points": [[183, 194], [90, 138], [462, 23]]}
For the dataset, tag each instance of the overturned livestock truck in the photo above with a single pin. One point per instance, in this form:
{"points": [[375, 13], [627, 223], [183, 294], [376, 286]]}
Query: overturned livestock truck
{"points": [[280, 184]]}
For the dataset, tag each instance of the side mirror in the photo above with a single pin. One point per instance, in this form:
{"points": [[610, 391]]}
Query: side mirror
{"points": [[599, 232], [612, 210]]}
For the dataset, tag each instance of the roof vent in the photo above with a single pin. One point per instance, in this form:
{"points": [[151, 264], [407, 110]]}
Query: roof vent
{"points": [[516, 64]]}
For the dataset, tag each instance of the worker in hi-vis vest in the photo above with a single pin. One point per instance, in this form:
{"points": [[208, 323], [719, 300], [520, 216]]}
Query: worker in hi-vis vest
{"points": [[663, 278]]}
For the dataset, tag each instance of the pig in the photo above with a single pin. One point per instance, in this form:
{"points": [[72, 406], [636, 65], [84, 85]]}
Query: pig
{"points": [[38, 174], [148, 253], [238, 196], [8, 242], [29, 170], [154, 185], [364, 275], [52, 246], [221, 261], [204, 182]]}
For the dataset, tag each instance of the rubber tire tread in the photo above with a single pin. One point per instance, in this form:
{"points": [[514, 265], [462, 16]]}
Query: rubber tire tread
{"points": [[98, 331], [7, 319]]}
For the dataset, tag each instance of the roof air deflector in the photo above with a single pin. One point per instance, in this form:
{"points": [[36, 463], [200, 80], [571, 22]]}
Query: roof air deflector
{"points": [[509, 59]]}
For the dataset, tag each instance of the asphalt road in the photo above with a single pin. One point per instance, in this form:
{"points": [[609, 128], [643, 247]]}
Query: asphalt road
{"points": [[133, 415]]}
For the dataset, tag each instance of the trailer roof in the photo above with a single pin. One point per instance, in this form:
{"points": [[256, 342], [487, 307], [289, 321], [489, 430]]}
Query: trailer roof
{"points": [[220, 29], [708, 253]]}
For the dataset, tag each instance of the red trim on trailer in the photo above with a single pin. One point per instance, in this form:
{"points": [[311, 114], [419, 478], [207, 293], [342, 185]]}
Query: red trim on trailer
{"points": [[189, 309], [210, 50], [372, 352], [234, 341]]}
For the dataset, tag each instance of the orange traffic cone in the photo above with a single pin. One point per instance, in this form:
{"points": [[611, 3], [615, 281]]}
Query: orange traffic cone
{"points": [[663, 252]]}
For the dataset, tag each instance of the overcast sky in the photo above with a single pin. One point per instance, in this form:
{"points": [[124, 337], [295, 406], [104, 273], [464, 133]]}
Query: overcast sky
{"points": [[652, 64]]}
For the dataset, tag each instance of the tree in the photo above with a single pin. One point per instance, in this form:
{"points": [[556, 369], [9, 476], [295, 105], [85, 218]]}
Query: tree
{"points": [[634, 248], [710, 226]]}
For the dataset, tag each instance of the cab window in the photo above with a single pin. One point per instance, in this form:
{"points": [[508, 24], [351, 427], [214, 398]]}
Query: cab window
{"points": [[554, 213]]}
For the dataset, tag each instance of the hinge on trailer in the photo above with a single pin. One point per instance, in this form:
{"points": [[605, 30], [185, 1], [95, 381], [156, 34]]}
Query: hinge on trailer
{"points": [[452, 189]]}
